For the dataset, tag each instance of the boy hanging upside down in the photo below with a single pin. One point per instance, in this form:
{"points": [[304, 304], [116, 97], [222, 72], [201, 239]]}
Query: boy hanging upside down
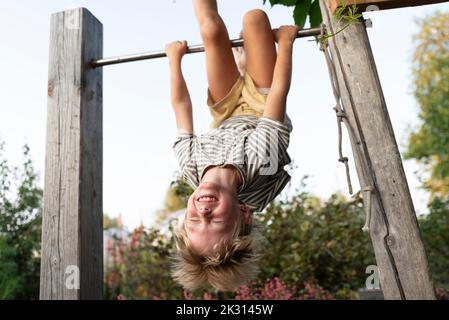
{"points": [[237, 167]]}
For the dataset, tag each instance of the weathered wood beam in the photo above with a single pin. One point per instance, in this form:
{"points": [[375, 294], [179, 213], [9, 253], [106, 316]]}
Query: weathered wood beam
{"points": [[383, 4], [394, 231], [72, 227]]}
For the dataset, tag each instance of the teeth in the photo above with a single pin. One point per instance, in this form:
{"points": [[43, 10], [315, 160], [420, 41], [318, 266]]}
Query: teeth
{"points": [[206, 198]]}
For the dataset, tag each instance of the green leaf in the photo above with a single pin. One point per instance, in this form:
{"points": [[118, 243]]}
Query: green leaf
{"points": [[301, 12], [315, 14], [288, 3], [340, 9], [349, 11]]}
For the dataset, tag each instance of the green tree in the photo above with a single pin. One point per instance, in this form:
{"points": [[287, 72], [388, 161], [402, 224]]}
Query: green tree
{"points": [[435, 234], [429, 141], [8, 270], [20, 227]]}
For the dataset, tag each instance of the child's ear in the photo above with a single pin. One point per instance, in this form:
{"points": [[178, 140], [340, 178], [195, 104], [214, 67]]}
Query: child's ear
{"points": [[247, 213]]}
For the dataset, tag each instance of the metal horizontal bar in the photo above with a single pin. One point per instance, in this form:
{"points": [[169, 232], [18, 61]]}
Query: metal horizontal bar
{"points": [[191, 49]]}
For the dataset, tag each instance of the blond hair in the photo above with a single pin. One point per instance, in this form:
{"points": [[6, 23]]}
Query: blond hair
{"points": [[233, 263]]}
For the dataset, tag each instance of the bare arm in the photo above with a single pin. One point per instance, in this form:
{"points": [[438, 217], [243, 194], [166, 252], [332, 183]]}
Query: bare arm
{"points": [[180, 97], [277, 98]]}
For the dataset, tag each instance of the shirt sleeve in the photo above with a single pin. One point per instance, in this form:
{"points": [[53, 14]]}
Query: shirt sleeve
{"points": [[184, 153]]}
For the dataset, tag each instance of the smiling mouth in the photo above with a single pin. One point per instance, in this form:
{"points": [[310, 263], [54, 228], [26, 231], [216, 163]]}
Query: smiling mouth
{"points": [[207, 198]]}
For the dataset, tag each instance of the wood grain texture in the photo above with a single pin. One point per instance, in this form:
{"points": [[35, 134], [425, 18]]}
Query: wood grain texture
{"points": [[72, 231], [384, 4], [394, 231]]}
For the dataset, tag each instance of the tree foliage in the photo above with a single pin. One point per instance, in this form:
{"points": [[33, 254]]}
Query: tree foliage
{"points": [[20, 229], [435, 234], [429, 141], [9, 280]]}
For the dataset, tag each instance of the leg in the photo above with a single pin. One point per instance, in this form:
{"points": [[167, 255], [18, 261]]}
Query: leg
{"points": [[222, 70], [259, 47]]}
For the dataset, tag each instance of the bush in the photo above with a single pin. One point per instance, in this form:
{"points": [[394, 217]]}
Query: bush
{"points": [[20, 228], [313, 241], [9, 283], [275, 290], [138, 266], [435, 234]]}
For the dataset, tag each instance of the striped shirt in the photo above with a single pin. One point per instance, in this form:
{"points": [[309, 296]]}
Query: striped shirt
{"points": [[256, 147]]}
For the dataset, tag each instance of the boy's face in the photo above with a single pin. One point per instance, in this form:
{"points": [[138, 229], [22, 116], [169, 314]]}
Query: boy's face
{"points": [[212, 212]]}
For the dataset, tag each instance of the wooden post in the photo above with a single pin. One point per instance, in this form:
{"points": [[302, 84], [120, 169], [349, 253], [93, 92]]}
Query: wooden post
{"points": [[394, 230], [72, 228]]}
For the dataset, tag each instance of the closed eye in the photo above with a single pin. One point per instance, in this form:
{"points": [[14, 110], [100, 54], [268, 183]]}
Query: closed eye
{"points": [[194, 220]]}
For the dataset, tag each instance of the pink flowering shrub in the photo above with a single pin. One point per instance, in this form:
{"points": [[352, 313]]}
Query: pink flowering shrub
{"points": [[313, 291], [275, 290], [272, 290]]}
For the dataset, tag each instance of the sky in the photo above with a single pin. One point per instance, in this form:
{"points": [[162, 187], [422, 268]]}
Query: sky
{"points": [[139, 126]]}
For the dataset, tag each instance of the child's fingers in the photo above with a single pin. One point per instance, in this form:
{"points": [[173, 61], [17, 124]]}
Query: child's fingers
{"points": [[170, 44], [175, 48], [183, 45]]}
